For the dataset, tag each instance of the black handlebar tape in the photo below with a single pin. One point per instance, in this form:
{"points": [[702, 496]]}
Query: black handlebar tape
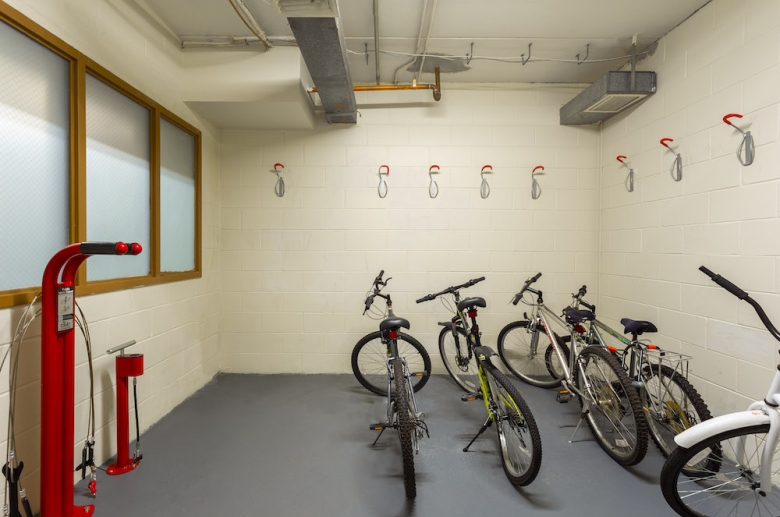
{"points": [[725, 284], [104, 248]]}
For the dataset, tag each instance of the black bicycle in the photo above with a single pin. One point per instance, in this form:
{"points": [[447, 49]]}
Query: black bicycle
{"points": [[391, 352]]}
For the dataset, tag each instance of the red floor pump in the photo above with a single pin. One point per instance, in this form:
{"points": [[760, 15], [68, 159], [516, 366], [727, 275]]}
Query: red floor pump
{"points": [[58, 365], [126, 366]]}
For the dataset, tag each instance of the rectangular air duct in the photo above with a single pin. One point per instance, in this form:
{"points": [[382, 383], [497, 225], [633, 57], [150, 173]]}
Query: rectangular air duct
{"points": [[307, 8], [609, 95]]}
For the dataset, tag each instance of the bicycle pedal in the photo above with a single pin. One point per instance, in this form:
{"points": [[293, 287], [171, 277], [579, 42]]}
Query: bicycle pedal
{"points": [[563, 396], [468, 397], [377, 427], [417, 374]]}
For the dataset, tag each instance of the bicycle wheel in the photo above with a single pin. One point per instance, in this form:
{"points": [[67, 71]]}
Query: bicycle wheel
{"points": [[615, 417], [552, 362], [728, 489], [673, 405], [406, 427], [523, 354], [458, 359], [518, 435], [369, 361]]}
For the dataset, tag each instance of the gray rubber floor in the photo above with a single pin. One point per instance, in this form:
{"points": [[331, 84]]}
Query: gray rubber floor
{"points": [[290, 445]]}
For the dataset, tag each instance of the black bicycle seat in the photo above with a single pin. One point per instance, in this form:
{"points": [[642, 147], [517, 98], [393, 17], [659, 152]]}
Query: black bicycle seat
{"points": [[578, 315], [394, 323], [637, 327], [471, 302]]}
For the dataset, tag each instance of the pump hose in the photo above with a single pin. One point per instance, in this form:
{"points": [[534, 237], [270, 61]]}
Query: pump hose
{"points": [[139, 457]]}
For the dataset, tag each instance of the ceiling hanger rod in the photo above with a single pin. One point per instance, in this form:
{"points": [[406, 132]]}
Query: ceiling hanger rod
{"points": [[376, 39], [419, 40]]}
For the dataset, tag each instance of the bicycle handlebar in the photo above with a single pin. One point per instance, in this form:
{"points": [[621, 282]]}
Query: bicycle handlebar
{"points": [[526, 285], [742, 295], [452, 289]]}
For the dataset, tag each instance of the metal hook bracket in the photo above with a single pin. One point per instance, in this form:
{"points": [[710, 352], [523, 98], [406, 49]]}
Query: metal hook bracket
{"points": [[536, 189], [470, 54], [484, 189], [747, 146], [676, 170], [382, 188], [587, 53], [522, 56], [433, 188], [279, 188], [629, 183]]}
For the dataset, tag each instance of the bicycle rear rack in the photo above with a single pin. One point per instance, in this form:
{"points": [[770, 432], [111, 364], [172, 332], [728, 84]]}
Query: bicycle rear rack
{"points": [[675, 361]]}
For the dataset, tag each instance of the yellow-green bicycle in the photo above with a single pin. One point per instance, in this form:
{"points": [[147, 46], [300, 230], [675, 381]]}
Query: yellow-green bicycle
{"points": [[469, 364]]}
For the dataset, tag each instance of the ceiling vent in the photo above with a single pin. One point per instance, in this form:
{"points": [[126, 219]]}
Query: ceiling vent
{"points": [[307, 8], [608, 96]]}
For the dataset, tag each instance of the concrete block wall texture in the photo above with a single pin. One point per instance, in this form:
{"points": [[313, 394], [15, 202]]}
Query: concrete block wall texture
{"points": [[724, 59], [295, 270], [176, 325]]}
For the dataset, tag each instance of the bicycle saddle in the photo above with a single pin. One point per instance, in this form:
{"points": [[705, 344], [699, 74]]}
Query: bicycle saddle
{"points": [[471, 302], [637, 327], [578, 315], [394, 324]]}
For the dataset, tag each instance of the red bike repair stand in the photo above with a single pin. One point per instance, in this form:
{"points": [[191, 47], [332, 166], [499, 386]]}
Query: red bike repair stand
{"points": [[126, 366], [58, 365]]}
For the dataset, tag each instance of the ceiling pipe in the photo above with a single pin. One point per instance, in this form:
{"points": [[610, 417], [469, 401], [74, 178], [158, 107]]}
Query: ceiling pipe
{"points": [[436, 87], [427, 41], [232, 41], [376, 39], [250, 22], [419, 40]]}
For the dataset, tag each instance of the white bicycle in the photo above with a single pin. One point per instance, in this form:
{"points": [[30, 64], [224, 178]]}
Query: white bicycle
{"points": [[729, 465]]}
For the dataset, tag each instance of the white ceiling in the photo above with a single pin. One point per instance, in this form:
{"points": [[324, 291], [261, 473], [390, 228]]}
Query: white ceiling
{"points": [[558, 29]]}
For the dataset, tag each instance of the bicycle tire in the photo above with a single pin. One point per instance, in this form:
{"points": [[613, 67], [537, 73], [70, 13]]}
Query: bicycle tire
{"points": [[513, 350], [679, 414], [369, 361], [406, 427], [551, 360], [465, 374], [518, 431], [615, 396], [712, 450]]}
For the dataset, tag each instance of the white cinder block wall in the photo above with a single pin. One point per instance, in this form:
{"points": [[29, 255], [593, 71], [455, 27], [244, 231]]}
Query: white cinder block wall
{"points": [[175, 324], [295, 270], [726, 58]]}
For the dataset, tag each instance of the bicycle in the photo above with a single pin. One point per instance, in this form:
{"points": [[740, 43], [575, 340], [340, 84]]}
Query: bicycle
{"points": [[610, 403], [402, 412], [729, 465], [519, 440], [671, 403]]}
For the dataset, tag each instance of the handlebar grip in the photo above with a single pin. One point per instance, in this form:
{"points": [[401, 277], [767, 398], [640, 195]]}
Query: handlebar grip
{"points": [[583, 291], [516, 299], [108, 248], [369, 303], [535, 278], [425, 298], [725, 284], [477, 280]]}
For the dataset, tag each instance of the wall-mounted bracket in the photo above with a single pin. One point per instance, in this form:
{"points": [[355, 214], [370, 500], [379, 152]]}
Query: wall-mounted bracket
{"points": [[746, 147], [433, 188], [629, 183], [470, 54], [587, 53], [484, 189], [523, 59], [676, 169], [279, 188], [382, 188], [536, 189]]}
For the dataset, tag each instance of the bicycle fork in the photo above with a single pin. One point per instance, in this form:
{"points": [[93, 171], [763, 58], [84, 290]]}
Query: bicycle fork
{"points": [[765, 475]]}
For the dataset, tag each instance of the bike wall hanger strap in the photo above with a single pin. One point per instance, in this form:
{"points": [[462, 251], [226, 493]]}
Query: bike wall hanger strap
{"points": [[629, 183], [747, 146], [484, 189], [676, 169], [382, 188], [536, 189], [279, 188], [433, 188]]}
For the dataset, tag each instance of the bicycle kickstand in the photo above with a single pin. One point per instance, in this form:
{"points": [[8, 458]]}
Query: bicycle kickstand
{"points": [[481, 430], [585, 411]]}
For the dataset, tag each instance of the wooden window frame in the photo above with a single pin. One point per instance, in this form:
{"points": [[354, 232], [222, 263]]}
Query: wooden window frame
{"points": [[81, 65]]}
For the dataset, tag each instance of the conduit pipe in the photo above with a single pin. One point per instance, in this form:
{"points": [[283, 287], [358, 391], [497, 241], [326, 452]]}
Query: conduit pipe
{"points": [[436, 87], [232, 41], [376, 39], [427, 41], [250, 22]]}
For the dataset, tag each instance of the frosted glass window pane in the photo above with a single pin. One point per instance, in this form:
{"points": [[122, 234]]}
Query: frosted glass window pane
{"points": [[177, 199], [117, 179], [34, 158]]}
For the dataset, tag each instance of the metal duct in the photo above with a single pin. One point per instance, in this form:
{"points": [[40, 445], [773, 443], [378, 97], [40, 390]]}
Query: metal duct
{"points": [[322, 46], [609, 95]]}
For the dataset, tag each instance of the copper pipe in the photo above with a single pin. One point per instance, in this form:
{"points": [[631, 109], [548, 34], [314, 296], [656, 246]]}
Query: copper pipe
{"points": [[385, 87]]}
